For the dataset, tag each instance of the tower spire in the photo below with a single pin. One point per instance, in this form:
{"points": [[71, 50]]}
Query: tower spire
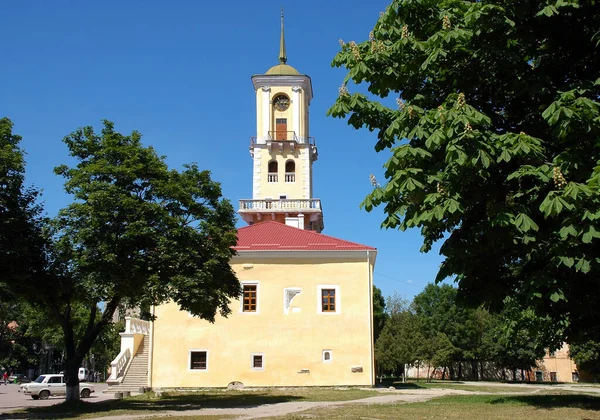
{"points": [[282, 55]]}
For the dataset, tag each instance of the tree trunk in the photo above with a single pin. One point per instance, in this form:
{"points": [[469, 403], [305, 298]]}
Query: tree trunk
{"points": [[76, 353], [72, 380], [444, 373], [460, 376], [475, 373], [452, 377]]}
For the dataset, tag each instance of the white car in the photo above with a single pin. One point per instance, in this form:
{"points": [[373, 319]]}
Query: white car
{"points": [[53, 385]]}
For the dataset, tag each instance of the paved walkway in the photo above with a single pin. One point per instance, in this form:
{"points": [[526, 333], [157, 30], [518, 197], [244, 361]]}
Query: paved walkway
{"points": [[11, 398]]}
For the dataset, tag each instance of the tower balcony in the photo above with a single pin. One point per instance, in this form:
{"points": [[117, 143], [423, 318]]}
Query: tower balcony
{"points": [[253, 211], [280, 140]]}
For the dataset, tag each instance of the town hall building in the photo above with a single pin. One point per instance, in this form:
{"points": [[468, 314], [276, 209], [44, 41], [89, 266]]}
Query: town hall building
{"points": [[305, 317]]}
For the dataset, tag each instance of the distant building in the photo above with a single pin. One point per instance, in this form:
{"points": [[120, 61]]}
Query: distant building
{"points": [[557, 366]]}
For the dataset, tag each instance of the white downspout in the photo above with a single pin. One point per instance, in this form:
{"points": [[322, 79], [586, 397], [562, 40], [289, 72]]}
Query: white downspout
{"points": [[151, 350], [370, 294]]}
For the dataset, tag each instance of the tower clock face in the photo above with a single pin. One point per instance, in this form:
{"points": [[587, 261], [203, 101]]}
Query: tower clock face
{"points": [[281, 102]]}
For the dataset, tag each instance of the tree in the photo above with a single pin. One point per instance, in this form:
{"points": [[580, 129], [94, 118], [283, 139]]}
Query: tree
{"points": [[22, 244], [399, 342], [524, 337], [443, 321], [494, 146], [137, 233], [587, 357], [379, 315]]}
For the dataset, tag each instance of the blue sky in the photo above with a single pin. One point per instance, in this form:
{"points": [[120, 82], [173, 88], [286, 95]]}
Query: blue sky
{"points": [[179, 72]]}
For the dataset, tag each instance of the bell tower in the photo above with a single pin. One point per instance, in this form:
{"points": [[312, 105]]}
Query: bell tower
{"points": [[283, 151]]}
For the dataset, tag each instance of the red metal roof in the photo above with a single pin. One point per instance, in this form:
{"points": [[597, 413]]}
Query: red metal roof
{"points": [[275, 236]]}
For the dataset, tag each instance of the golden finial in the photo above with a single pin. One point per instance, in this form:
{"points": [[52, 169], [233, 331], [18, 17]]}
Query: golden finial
{"points": [[282, 55]]}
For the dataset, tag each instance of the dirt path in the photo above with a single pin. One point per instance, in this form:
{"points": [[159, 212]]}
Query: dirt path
{"points": [[282, 409]]}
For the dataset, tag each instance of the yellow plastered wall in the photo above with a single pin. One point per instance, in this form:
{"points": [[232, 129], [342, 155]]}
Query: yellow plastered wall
{"points": [[290, 342], [275, 189], [560, 363]]}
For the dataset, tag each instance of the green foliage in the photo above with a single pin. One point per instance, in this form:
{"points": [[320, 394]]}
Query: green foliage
{"points": [[524, 337], [493, 146], [399, 342], [141, 233], [379, 314], [21, 241], [441, 332], [136, 234], [587, 357]]}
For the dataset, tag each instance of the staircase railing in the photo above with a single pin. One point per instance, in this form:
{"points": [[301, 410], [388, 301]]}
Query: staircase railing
{"points": [[137, 326], [117, 366], [131, 338]]}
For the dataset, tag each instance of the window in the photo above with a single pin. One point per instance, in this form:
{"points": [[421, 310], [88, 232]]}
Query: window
{"points": [[553, 377], [290, 171], [327, 355], [198, 360], [257, 361], [249, 300], [55, 380], [328, 299], [272, 175], [575, 376]]}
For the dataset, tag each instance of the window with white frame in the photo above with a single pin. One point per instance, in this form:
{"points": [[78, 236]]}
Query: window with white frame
{"points": [[327, 356], [198, 360], [257, 361], [329, 299], [249, 300]]}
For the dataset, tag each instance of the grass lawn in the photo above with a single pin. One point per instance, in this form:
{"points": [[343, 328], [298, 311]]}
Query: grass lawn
{"points": [[151, 403], [471, 407]]}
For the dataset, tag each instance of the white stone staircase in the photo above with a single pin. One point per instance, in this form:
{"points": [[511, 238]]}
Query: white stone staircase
{"points": [[136, 376]]}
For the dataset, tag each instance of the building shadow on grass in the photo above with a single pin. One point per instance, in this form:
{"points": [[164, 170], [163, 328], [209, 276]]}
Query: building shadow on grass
{"points": [[151, 404], [586, 402], [398, 384]]}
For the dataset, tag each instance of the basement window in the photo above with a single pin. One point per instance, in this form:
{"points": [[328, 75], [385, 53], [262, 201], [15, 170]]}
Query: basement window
{"points": [[257, 361], [198, 360]]}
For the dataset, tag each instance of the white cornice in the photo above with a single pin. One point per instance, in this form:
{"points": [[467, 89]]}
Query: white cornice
{"points": [[242, 255], [267, 80]]}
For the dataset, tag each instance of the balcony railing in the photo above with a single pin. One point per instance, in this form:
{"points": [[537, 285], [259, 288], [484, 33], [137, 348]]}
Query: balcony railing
{"points": [[309, 204], [272, 177], [306, 140], [290, 177]]}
